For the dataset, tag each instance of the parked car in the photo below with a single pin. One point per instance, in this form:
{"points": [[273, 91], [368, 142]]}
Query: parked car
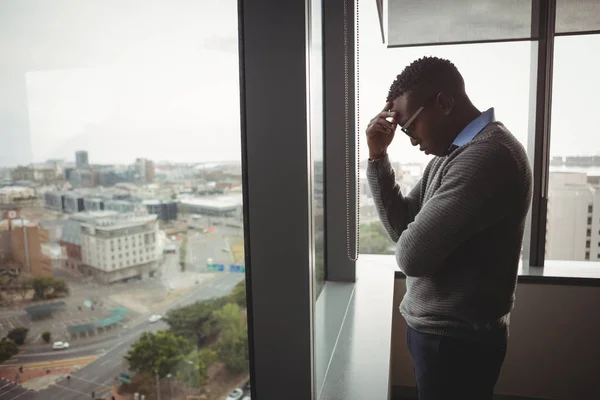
{"points": [[155, 318], [235, 395], [59, 345]]}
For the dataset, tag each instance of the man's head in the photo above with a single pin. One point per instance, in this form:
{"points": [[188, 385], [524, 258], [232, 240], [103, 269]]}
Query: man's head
{"points": [[431, 104]]}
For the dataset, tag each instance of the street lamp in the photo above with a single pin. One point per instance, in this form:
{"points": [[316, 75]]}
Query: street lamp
{"points": [[191, 363], [157, 386], [169, 376]]}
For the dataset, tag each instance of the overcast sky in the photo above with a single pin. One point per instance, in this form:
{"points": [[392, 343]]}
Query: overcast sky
{"points": [[161, 80]]}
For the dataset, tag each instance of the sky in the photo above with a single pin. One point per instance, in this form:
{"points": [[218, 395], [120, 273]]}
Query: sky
{"points": [[161, 81]]}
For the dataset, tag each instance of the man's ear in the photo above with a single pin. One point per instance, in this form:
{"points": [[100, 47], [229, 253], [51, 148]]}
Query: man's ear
{"points": [[446, 103]]}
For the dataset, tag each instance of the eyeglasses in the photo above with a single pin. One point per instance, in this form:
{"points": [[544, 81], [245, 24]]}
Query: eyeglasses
{"points": [[407, 125]]}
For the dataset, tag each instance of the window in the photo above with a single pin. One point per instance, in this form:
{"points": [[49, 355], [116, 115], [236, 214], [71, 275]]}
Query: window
{"points": [[110, 98], [573, 147], [508, 92]]}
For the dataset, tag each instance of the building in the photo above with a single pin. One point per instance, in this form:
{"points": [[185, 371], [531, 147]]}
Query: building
{"points": [[115, 249], [164, 209], [93, 204], [573, 218], [71, 236], [145, 170], [122, 206], [54, 201], [24, 246], [218, 206], [23, 173], [81, 160], [12, 194], [81, 178], [73, 203], [107, 177]]}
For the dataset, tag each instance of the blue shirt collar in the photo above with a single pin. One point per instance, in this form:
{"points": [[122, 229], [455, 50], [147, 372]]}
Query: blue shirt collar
{"points": [[474, 127]]}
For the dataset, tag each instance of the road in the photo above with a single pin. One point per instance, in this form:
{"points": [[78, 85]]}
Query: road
{"points": [[99, 376]]}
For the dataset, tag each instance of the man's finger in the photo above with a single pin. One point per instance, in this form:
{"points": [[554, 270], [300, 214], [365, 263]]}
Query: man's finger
{"points": [[378, 128], [388, 106]]}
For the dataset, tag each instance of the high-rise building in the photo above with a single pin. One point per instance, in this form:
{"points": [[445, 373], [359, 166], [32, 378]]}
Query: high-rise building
{"points": [[165, 210], [573, 219], [145, 170], [81, 159]]}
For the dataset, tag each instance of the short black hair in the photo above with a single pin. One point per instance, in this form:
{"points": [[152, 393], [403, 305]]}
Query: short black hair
{"points": [[427, 76]]}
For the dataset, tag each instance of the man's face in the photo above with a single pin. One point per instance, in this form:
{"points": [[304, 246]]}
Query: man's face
{"points": [[426, 128]]}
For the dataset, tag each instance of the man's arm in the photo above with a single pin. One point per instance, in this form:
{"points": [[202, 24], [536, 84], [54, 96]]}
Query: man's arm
{"points": [[477, 190], [395, 210]]}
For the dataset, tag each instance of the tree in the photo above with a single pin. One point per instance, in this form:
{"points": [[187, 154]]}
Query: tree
{"points": [[375, 240], [46, 336], [48, 287], [60, 288], [8, 348], [18, 335], [194, 370], [232, 345], [162, 351], [24, 286], [195, 322], [238, 294]]}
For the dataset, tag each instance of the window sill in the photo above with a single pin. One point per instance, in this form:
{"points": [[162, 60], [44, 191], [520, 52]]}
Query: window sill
{"points": [[556, 272], [359, 366]]}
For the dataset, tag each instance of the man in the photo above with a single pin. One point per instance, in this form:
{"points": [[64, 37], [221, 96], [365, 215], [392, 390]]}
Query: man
{"points": [[458, 232]]}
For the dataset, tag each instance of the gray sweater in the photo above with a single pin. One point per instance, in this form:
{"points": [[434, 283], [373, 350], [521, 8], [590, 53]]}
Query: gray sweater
{"points": [[459, 234]]}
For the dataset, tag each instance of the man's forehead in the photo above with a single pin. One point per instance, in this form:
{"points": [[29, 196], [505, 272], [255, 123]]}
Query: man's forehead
{"points": [[402, 105]]}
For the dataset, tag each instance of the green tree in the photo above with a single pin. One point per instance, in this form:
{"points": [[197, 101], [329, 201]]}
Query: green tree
{"points": [[41, 287], [8, 348], [48, 287], [18, 335], [60, 288], [46, 336], [195, 322], [375, 240], [24, 286], [162, 351], [232, 346], [194, 370], [238, 294]]}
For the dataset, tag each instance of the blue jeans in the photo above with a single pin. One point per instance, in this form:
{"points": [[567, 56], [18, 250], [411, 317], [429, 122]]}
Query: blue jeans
{"points": [[448, 368]]}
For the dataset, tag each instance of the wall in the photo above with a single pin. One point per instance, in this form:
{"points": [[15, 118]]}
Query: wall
{"points": [[553, 350], [41, 265]]}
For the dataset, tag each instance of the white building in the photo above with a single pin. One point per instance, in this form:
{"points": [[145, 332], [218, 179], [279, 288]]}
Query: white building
{"points": [[10, 194], [218, 206], [573, 222], [114, 249]]}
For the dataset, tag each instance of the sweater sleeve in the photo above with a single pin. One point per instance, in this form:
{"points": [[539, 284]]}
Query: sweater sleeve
{"points": [[475, 193], [395, 210]]}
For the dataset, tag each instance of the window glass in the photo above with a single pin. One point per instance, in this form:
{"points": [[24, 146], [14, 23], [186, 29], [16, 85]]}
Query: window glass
{"points": [[573, 222], [121, 120], [504, 83]]}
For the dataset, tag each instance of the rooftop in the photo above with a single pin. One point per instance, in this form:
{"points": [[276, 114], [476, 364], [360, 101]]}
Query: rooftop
{"points": [[219, 202]]}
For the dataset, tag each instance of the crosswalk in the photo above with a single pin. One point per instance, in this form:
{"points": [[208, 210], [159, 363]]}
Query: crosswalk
{"points": [[12, 391]]}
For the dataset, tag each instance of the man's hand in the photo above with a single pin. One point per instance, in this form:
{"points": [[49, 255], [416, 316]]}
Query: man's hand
{"points": [[380, 132]]}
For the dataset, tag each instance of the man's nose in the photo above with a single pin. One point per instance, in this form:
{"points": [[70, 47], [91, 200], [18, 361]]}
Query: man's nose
{"points": [[414, 141]]}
